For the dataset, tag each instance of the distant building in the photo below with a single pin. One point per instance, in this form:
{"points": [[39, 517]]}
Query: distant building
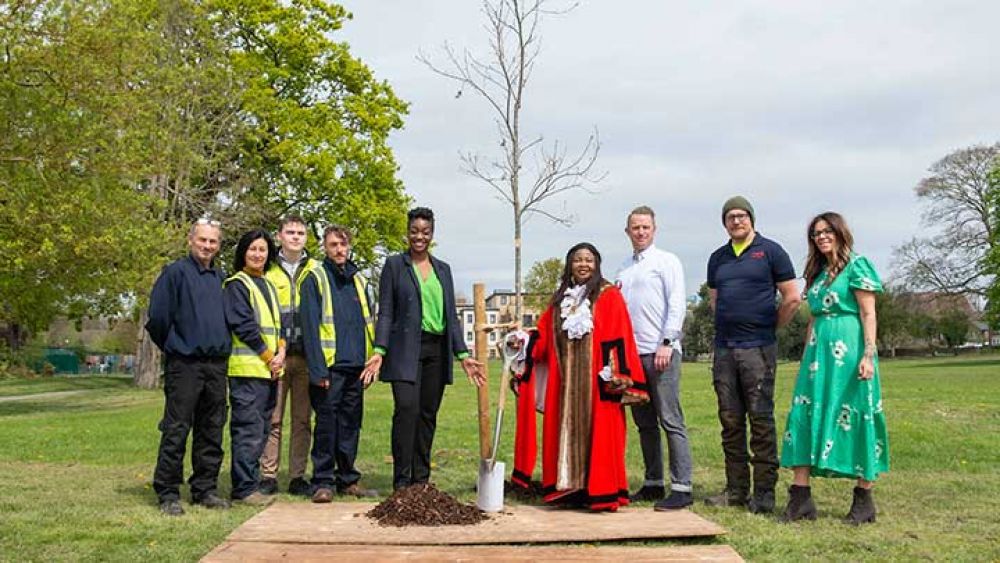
{"points": [[499, 310], [503, 301], [467, 320]]}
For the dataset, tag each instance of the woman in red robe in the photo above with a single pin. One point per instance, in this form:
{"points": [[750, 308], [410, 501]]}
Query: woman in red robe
{"points": [[584, 342]]}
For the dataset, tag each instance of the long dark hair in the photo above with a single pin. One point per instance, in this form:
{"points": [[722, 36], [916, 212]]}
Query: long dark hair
{"points": [[816, 261], [240, 260], [566, 282]]}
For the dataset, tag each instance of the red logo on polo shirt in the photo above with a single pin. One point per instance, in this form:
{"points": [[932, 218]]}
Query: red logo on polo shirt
{"points": [[757, 254]]}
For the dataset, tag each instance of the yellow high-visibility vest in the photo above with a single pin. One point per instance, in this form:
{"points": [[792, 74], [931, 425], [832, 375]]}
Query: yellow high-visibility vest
{"points": [[327, 331], [244, 361], [288, 296]]}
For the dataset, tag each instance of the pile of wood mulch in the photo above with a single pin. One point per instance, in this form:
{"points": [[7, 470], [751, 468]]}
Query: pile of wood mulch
{"points": [[424, 505]]}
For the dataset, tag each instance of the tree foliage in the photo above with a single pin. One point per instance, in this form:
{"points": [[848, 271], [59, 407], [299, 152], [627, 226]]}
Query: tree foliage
{"points": [[699, 325], [126, 119], [993, 258], [960, 220], [791, 338], [76, 232], [893, 314], [542, 282]]}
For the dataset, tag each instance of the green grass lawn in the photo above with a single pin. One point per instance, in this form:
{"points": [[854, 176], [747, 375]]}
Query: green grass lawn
{"points": [[75, 470]]}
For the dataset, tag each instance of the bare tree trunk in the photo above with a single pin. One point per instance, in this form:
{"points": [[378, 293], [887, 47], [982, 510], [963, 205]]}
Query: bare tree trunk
{"points": [[147, 359]]}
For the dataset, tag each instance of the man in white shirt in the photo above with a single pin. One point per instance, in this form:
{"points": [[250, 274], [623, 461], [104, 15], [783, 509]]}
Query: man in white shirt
{"points": [[652, 281]]}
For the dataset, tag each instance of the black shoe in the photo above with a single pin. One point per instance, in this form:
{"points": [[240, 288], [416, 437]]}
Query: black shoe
{"points": [[800, 505], [676, 501], [648, 492], [172, 508], [762, 502], [212, 500], [862, 508], [268, 486], [728, 498], [301, 487]]}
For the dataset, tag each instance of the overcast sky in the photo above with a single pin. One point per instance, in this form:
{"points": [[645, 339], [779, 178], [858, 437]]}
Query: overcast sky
{"points": [[801, 106]]}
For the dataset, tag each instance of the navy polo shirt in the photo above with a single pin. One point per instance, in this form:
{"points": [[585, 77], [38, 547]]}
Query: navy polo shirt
{"points": [[745, 306]]}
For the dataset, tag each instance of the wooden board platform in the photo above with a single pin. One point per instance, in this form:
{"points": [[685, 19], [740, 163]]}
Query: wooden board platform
{"points": [[346, 523], [254, 551]]}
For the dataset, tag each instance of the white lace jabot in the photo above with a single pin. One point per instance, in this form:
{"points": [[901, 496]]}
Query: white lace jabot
{"points": [[578, 321]]}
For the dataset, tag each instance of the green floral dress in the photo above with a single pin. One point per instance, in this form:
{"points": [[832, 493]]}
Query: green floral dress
{"points": [[836, 424]]}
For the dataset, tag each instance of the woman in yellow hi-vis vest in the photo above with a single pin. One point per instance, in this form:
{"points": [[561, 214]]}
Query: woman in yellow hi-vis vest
{"points": [[258, 357]]}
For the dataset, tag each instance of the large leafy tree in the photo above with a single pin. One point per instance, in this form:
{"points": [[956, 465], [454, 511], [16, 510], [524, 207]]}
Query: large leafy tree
{"points": [[76, 232], [317, 120], [123, 120]]}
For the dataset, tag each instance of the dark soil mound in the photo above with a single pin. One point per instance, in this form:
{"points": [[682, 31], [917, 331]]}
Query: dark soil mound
{"points": [[424, 505]]}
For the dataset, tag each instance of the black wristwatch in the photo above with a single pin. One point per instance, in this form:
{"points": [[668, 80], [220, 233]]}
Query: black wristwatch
{"points": [[666, 342]]}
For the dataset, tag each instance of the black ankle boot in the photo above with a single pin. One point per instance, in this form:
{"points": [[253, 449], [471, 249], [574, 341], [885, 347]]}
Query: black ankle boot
{"points": [[800, 505], [863, 507]]}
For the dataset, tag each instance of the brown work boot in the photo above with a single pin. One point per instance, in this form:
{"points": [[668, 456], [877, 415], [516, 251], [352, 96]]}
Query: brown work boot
{"points": [[355, 490], [322, 495], [728, 498]]}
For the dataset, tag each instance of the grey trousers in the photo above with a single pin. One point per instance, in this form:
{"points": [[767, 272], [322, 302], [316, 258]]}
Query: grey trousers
{"points": [[663, 410]]}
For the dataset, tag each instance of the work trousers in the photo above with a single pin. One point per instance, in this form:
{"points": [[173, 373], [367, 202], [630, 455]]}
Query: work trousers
{"points": [[663, 410], [744, 384], [339, 410], [252, 402], [414, 417], [295, 381], [194, 391]]}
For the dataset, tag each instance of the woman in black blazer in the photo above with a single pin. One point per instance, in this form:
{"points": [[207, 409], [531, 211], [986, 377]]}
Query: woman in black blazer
{"points": [[416, 336]]}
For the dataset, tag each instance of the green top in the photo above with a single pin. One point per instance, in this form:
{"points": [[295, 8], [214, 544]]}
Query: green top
{"points": [[431, 302], [738, 248], [432, 307]]}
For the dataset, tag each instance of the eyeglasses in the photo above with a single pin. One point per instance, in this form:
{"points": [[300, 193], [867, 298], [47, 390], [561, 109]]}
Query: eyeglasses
{"points": [[737, 217], [207, 221], [821, 232]]}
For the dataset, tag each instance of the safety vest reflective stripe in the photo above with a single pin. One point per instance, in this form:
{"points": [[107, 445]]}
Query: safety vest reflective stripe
{"points": [[244, 361]]}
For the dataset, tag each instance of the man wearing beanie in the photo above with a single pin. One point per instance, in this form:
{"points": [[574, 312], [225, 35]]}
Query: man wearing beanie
{"points": [[743, 276]]}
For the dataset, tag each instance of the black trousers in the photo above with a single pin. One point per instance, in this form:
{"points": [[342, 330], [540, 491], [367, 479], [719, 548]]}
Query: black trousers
{"points": [[744, 384], [194, 392], [414, 417], [339, 410]]}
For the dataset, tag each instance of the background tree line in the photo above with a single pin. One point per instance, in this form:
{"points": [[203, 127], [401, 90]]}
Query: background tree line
{"points": [[125, 120]]}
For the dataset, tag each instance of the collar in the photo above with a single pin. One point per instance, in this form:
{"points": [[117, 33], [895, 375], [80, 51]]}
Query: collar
{"points": [[201, 269], [283, 258], [753, 242], [349, 269], [643, 254]]}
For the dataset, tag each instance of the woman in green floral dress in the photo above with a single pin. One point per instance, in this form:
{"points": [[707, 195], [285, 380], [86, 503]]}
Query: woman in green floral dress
{"points": [[836, 427]]}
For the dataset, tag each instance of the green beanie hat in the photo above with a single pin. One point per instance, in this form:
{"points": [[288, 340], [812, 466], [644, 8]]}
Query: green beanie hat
{"points": [[737, 202]]}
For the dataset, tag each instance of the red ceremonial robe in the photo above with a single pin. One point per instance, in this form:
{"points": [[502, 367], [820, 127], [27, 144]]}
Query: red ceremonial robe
{"points": [[583, 432]]}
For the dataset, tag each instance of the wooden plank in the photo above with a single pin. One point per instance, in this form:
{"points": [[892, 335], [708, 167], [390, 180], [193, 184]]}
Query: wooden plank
{"points": [[346, 523], [254, 551]]}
